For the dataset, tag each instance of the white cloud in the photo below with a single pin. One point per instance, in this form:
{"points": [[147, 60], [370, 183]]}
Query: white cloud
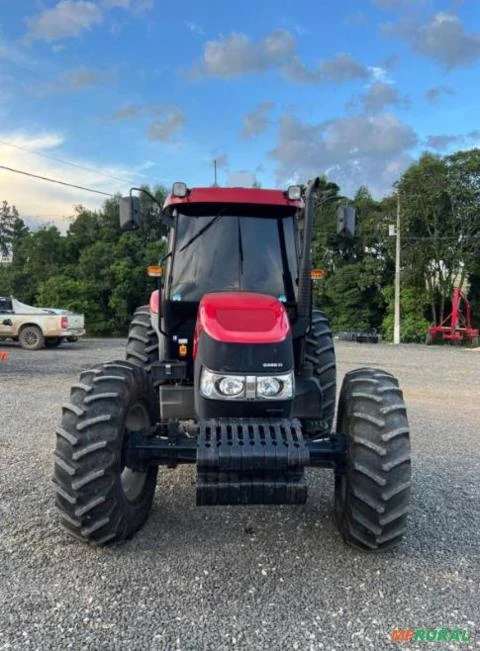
{"points": [[134, 5], [12, 53], [380, 74], [355, 150], [378, 96], [443, 39], [43, 201], [432, 95], [395, 5], [167, 126], [68, 19], [342, 67], [256, 121], [235, 55], [222, 161], [82, 78], [241, 179]]}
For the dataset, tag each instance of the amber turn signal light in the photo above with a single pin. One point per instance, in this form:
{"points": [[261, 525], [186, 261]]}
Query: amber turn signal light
{"points": [[316, 274], [154, 270]]}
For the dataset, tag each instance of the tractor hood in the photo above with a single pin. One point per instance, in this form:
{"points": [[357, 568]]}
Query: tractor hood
{"points": [[243, 318], [243, 356]]}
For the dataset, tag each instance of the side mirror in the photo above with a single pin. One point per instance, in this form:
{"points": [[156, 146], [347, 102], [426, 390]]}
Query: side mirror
{"points": [[7, 322], [130, 213], [346, 217]]}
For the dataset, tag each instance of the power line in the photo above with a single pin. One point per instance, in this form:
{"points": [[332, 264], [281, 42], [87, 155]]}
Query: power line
{"points": [[66, 162], [45, 178], [372, 236]]}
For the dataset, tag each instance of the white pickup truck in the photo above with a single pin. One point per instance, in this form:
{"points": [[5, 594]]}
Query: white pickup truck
{"points": [[38, 327]]}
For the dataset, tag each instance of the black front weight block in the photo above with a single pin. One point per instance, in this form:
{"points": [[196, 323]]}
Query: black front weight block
{"points": [[240, 461]]}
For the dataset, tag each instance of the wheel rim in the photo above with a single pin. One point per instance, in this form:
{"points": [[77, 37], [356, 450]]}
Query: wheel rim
{"points": [[31, 337], [132, 481]]}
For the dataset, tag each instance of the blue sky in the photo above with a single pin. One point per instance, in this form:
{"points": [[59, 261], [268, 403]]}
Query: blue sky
{"points": [[145, 91]]}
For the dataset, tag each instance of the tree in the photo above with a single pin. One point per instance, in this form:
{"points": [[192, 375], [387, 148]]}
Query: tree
{"points": [[441, 219], [356, 268], [94, 268], [8, 223]]}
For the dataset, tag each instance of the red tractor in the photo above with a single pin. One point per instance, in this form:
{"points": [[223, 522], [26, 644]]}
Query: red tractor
{"points": [[231, 369]]}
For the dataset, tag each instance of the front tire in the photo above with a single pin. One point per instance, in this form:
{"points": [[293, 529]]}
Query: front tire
{"points": [[31, 338], [100, 499], [372, 495]]}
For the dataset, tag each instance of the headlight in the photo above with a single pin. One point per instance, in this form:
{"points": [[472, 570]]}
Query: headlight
{"points": [[267, 387], [219, 386], [277, 387], [231, 386]]}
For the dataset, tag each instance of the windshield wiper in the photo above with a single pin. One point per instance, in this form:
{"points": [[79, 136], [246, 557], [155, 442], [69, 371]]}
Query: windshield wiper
{"points": [[202, 230]]}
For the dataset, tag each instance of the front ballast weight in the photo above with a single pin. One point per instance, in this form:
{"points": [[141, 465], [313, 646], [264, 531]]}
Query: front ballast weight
{"points": [[240, 461]]}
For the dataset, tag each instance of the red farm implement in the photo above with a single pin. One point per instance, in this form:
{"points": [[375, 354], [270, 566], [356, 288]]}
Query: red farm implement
{"points": [[457, 326]]}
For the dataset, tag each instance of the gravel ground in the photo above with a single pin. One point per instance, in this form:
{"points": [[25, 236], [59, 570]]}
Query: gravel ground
{"points": [[247, 578]]}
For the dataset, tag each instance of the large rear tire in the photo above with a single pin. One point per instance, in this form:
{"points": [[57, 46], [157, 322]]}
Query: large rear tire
{"points": [[31, 338], [142, 343], [320, 352], [100, 499], [372, 496]]}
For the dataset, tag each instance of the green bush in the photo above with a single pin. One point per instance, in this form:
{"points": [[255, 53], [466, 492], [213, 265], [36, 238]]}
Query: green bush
{"points": [[413, 324]]}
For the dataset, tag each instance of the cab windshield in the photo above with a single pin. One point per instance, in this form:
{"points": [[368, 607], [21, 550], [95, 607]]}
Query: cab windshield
{"points": [[234, 248]]}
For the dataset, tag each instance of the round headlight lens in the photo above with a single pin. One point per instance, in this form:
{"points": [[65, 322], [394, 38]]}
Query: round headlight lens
{"points": [[268, 387], [231, 386]]}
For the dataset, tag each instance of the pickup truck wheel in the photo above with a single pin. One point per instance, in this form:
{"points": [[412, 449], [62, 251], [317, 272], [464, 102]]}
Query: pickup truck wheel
{"points": [[31, 338], [53, 342], [72, 339]]}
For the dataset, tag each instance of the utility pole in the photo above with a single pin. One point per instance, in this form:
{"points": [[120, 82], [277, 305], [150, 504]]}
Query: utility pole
{"points": [[396, 323], [215, 172]]}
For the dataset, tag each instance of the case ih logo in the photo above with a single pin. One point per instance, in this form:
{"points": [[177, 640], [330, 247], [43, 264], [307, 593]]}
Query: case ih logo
{"points": [[430, 635]]}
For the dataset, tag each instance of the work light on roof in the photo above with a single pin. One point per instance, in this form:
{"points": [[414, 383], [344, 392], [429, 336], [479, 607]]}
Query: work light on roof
{"points": [[294, 192], [179, 189]]}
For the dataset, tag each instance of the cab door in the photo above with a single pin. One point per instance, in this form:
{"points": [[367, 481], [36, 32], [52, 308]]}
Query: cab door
{"points": [[6, 318]]}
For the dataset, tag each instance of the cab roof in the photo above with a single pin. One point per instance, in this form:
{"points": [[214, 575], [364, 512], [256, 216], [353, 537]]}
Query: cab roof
{"points": [[252, 196]]}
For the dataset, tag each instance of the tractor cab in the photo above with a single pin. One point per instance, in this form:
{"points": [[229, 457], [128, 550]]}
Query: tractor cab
{"points": [[226, 240]]}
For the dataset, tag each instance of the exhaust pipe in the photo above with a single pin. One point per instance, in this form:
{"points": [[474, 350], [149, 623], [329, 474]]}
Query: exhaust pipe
{"points": [[304, 303]]}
